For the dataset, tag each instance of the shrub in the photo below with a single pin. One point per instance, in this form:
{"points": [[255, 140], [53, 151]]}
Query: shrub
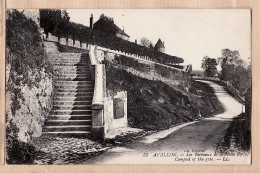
{"points": [[26, 51]]}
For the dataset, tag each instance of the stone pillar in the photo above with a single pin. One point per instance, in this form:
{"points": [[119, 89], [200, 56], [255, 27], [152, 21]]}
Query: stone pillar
{"points": [[97, 129]]}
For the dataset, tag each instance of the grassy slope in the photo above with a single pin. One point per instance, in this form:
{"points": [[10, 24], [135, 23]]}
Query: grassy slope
{"points": [[156, 105], [207, 101]]}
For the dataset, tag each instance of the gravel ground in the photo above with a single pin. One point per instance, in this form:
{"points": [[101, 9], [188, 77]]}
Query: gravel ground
{"points": [[69, 150], [65, 150]]}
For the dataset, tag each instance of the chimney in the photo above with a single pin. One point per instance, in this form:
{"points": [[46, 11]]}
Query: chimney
{"points": [[91, 21], [135, 41]]}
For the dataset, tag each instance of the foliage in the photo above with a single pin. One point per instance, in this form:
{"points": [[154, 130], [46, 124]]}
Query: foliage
{"points": [[164, 71], [130, 62], [26, 51], [210, 66], [54, 21], [228, 60], [145, 42], [235, 70], [97, 37]]}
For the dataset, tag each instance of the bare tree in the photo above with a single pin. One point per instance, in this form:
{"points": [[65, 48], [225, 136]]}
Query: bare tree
{"points": [[145, 42]]}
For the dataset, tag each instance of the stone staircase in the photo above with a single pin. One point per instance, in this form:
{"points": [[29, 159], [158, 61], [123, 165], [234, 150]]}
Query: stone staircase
{"points": [[73, 93]]}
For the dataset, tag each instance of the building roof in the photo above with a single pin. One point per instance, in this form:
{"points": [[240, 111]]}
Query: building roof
{"points": [[120, 31], [107, 24], [159, 43]]}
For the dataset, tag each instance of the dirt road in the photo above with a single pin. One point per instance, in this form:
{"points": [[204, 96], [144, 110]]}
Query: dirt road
{"points": [[172, 145]]}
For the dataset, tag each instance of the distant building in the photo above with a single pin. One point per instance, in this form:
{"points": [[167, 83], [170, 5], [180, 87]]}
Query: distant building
{"points": [[106, 24], [159, 46]]}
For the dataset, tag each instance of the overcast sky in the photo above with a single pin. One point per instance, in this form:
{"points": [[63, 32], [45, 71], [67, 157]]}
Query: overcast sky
{"points": [[190, 34]]}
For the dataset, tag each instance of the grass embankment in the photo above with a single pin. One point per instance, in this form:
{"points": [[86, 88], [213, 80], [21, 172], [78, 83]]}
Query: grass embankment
{"points": [[210, 104], [156, 105]]}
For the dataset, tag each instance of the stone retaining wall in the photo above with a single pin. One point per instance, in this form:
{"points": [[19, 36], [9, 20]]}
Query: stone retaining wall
{"points": [[111, 122]]}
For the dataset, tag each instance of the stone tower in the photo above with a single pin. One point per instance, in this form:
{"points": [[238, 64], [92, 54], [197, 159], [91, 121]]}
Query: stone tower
{"points": [[159, 46]]}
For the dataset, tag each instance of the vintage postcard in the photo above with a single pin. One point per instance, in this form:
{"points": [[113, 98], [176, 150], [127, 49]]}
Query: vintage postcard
{"points": [[128, 86]]}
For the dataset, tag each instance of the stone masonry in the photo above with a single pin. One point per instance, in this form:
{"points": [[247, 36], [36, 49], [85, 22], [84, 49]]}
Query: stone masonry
{"points": [[73, 93]]}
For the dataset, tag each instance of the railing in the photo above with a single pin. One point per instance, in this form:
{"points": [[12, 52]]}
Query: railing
{"points": [[143, 58], [227, 84], [98, 74], [77, 44], [235, 91], [98, 97]]}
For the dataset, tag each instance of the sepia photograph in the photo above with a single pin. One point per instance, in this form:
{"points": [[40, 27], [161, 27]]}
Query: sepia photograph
{"points": [[128, 86]]}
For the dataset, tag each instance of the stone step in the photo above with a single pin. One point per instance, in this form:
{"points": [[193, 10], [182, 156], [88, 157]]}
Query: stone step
{"points": [[75, 86], [67, 128], [61, 75], [79, 98], [75, 82], [69, 67], [65, 70], [70, 117], [71, 112], [70, 134], [70, 103], [68, 60], [60, 58], [72, 65], [73, 93], [71, 78], [73, 89], [72, 107], [71, 72], [67, 122], [67, 54], [69, 64]]}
